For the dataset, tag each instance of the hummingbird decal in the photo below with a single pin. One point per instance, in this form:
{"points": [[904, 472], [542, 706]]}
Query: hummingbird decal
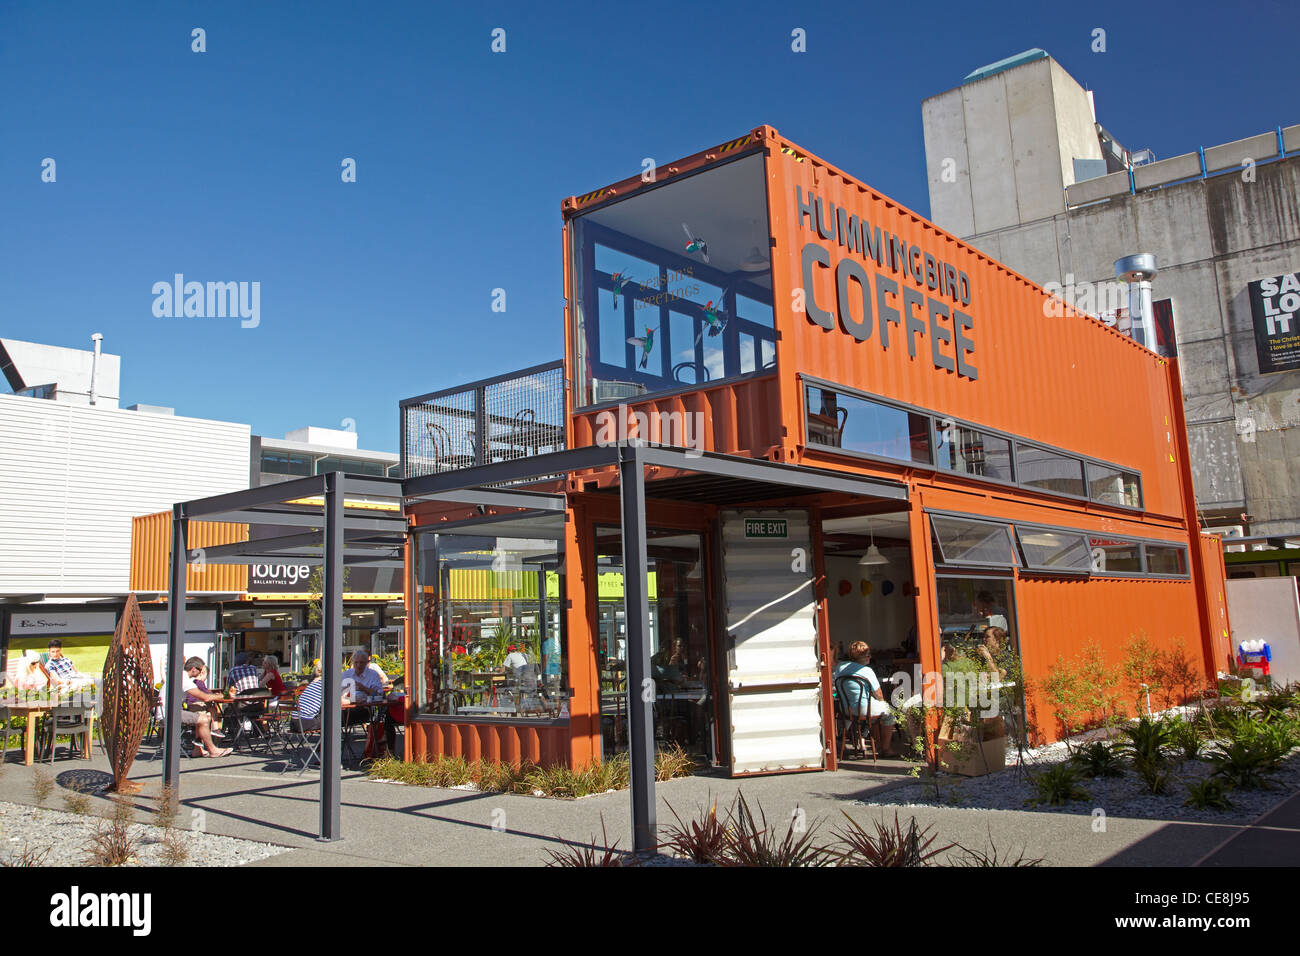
{"points": [[715, 319], [620, 280], [695, 244], [647, 342]]}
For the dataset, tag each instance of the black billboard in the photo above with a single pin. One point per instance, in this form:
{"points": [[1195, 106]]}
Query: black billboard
{"points": [[1275, 308]]}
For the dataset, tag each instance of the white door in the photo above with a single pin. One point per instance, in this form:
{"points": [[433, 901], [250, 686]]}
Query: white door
{"points": [[774, 677]]}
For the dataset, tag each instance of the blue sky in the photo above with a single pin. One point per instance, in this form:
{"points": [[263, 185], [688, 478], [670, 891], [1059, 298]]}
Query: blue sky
{"points": [[225, 165]]}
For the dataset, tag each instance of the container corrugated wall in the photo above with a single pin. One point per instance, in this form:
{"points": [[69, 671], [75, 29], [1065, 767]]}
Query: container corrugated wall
{"points": [[151, 543], [1216, 600], [735, 418], [546, 745], [1067, 381]]}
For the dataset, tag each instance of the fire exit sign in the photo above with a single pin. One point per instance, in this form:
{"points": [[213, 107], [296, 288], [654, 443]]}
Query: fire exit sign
{"points": [[765, 528]]}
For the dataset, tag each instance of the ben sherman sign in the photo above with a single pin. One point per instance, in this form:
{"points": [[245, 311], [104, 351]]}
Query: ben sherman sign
{"points": [[913, 314]]}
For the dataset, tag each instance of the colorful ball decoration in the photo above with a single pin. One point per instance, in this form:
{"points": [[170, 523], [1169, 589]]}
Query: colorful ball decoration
{"points": [[845, 587], [887, 588], [866, 587]]}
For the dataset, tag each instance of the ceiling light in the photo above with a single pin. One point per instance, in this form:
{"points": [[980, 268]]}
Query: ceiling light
{"points": [[873, 555], [755, 261]]}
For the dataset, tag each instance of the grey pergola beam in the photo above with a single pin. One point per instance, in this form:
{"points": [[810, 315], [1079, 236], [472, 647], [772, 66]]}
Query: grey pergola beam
{"points": [[301, 517], [517, 469], [498, 498], [811, 480], [288, 543]]}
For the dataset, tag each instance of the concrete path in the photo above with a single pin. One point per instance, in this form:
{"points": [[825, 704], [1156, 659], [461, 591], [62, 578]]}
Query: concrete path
{"points": [[389, 824]]}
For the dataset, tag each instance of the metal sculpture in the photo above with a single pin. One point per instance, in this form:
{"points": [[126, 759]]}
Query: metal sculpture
{"points": [[128, 694]]}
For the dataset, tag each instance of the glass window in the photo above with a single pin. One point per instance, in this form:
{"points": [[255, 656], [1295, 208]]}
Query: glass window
{"points": [[1166, 559], [285, 463], [846, 421], [493, 641], [980, 648], [1109, 485], [1046, 550], [680, 661], [687, 260], [964, 541], [973, 452], [1115, 556], [1048, 470]]}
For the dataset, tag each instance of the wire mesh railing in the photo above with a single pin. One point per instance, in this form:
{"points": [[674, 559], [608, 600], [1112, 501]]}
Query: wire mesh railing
{"points": [[515, 415]]}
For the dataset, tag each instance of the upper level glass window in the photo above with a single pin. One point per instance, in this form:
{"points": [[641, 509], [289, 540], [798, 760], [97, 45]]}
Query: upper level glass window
{"points": [[1109, 485], [1049, 471], [973, 452], [855, 424], [1166, 559], [1115, 555], [672, 287], [285, 463], [1048, 550]]}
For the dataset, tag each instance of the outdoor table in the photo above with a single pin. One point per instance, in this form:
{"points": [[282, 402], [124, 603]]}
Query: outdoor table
{"points": [[32, 710]]}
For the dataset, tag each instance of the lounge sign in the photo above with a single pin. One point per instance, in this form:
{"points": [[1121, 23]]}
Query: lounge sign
{"points": [[1275, 307], [867, 306]]}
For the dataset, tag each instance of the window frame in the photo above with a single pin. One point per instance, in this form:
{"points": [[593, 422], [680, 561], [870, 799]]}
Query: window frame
{"points": [[926, 465], [936, 541], [1184, 575], [1039, 569]]}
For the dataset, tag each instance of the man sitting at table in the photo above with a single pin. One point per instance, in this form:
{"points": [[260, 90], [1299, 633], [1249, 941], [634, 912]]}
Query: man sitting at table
{"points": [[200, 720], [859, 665], [373, 681], [58, 670], [244, 676]]}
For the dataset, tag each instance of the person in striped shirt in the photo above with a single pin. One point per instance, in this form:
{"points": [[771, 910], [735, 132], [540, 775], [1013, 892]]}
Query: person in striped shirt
{"points": [[307, 711], [58, 669]]}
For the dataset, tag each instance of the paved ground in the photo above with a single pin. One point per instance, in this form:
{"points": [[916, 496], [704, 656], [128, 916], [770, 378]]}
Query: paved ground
{"points": [[388, 824]]}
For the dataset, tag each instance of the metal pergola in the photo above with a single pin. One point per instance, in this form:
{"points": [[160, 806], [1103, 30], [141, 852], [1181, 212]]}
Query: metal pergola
{"points": [[700, 477], [338, 531]]}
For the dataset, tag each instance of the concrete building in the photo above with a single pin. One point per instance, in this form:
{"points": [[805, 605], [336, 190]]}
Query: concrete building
{"points": [[1019, 167]]}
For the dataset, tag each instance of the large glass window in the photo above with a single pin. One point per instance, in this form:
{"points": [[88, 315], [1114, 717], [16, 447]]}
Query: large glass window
{"points": [[980, 648], [1115, 555], [493, 641], [1049, 470], [839, 420], [1047, 550], [1113, 486], [680, 662], [673, 286], [973, 452], [1166, 559], [964, 541], [285, 463]]}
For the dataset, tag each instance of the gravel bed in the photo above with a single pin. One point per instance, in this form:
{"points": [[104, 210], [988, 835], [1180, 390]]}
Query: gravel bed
{"points": [[67, 835], [1124, 796]]}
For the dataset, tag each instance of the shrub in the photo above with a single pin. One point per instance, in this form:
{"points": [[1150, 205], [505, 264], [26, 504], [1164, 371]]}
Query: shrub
{"points": [[1177, 674], [992, 857], [1083, 691], [1148, 743], [1058, 785], [1243, 764], [1208, 794], [702, 839], [113, 843], [887, 846], [597, 854], [1141, 666], [26, 857], [1098, 759], [76, 802], [42, 785], [1185, 737], [754, 843]]}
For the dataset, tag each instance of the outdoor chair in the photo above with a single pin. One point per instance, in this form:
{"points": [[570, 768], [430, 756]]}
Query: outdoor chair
{"points": [[69, 720], [6, 718], [245, 714], [300, 740], [851, 725]]}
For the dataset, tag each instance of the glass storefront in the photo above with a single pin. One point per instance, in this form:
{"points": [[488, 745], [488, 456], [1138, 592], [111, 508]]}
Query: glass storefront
{"points": [[680, 661], [978, 635], [491, 632], [673, 286]]}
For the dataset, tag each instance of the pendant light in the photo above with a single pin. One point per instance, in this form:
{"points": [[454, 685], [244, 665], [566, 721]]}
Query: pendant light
{"points": [[873, 556]]}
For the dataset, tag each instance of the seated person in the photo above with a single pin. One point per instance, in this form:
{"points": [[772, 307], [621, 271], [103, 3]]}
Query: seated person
{"points": [[858, 665], [992, 651], [270, 678], [58, 670], [244, 676], [515, 658], [372, 681], [669, 665], [200, 720], [198, 696], [306, 713], [29, 674], [987, 610]]}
